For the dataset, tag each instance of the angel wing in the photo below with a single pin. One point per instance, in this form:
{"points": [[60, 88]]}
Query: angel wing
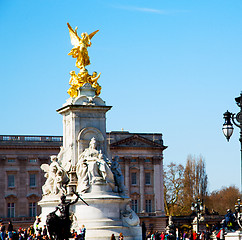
{"points": [[75, 39], [92, 34], [45, 167]]}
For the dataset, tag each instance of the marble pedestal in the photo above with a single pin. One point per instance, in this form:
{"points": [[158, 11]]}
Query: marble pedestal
{"points": [[102, 217], [234, 235]]}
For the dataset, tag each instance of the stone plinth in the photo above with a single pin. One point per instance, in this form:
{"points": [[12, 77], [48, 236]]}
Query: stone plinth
{"points": [[101, 218], [234, 235]]}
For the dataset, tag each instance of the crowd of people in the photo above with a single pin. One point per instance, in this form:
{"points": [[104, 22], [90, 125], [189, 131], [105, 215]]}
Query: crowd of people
{"points": [[178, 235], [9, 233]]}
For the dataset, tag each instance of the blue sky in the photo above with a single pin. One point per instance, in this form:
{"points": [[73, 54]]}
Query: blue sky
{"points": [[167, 66]]}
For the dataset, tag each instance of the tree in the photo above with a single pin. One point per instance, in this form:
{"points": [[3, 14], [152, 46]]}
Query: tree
{"points": [[173, 185], [223, 199], [183, 186], [195, 182]]}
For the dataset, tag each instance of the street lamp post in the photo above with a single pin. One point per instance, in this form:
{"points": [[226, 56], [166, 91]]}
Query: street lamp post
{"points": [[228, 127], [197, 207], [237, 208]]}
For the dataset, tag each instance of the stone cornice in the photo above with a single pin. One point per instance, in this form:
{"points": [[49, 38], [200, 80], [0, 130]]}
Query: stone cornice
{"points": [[151, 144], [83, 107]]}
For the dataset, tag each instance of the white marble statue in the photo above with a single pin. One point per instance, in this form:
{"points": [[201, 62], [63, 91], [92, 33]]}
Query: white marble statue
{"points": [[64, 157], [129, 216], [56, 177], [92, 169], [118, 176]]}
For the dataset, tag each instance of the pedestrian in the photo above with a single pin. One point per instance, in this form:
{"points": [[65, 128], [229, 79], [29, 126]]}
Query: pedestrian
{"points": [[20, 236], [121, 237], [31, 230], [10, 230], [143, 231], [44, 231], [2, 229], [149, 236], [82, 232], [162, 236], [113, 237], [157, 235]]}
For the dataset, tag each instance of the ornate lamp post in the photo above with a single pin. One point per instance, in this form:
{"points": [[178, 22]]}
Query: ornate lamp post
{"points": [[228, 126], [197, 207], [237, 208]]}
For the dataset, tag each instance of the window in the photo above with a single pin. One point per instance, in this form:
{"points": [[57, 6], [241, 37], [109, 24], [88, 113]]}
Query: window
{"points": [[133, 160], [147, 179], [32, 209], [32, 138], [32, 180], [133, 179], [134, 205], [148, 205], [147, 160], [11, 182], [11, 160], [11, 209], [33, 160], [56, 139]]}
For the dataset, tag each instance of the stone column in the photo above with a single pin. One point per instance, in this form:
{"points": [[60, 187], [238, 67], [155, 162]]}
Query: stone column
{"points": [[157, 186], [142, 185], [126, 174], [162, 188]]}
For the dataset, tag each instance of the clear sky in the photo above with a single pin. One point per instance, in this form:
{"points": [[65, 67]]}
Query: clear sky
{"points": [[167, 66]]}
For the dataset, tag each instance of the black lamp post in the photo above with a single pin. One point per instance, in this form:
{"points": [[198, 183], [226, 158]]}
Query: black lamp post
{"points": [[228, 126], [237, 208], [197, 207]]}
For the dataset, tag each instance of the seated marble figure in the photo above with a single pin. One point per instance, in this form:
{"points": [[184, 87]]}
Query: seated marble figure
{"points": [[93, 168]]}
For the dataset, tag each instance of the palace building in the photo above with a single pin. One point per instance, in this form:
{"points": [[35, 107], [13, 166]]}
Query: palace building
{"points": [[21, 179]]}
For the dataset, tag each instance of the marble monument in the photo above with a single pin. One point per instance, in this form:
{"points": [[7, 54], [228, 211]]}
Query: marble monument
{"points": [[83, 164]]}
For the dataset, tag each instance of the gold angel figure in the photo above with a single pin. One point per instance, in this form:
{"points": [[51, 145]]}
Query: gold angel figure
{"points": [[79, 51]]}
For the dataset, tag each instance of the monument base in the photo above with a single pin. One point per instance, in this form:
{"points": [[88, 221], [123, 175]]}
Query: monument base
{"points": [[106, 215], [234, 235]]}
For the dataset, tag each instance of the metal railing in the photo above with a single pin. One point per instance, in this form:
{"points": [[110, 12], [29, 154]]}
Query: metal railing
{"points": [[31, 138]]}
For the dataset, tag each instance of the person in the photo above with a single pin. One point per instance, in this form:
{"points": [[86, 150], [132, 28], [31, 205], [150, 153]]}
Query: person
{"points": [[162, 236], [45, 231], [157, 235], [2, 229], [31, 230], [82, 232], [177, 234], [10, 230], [143, 231], [194, 235], [121, 237], [202, 236], [113, 237], [75, 235], [149, 236]]}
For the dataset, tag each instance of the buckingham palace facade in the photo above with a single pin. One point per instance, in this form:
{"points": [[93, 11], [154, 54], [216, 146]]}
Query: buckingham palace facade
{"points": [[21, 179]]}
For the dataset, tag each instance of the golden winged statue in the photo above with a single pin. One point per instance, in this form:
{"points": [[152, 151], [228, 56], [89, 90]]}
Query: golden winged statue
{"points": [[79, 51]]}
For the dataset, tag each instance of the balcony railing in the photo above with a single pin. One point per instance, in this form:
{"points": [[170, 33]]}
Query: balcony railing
{"points": [[31, 138]]}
